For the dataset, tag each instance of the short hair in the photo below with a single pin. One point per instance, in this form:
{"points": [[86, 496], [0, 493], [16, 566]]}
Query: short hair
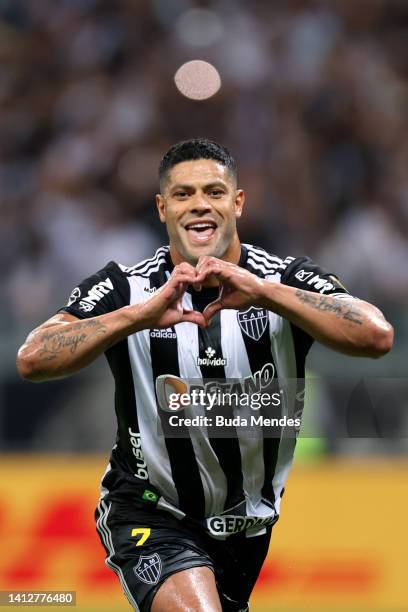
{"points": [[196, 148]]}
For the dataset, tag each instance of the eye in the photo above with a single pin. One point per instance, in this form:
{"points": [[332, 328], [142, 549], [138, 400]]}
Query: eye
{"points": [[181, 195], [216, 193]]}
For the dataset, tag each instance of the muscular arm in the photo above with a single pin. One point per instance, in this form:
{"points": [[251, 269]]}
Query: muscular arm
{"points": [[350, 326], [65, 344], [346, 325]]}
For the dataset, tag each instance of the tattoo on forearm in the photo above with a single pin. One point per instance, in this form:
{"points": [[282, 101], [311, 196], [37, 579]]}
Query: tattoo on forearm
{"points": [[326, 303], [56, 340]]}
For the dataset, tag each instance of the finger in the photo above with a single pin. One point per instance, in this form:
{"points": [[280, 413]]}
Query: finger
{"points": [[205, 274], [200, 277], [182, 278], [212, 309], [185, 268], [212, 269], [191, 275], [204, 262], [175, 294], [192, 316]]}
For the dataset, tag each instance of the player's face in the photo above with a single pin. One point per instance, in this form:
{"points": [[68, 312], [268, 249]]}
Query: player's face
{"points": [[200, 205]]}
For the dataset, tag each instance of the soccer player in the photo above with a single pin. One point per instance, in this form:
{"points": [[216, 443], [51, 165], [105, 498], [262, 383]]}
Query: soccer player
{"points": [[186, 520]]}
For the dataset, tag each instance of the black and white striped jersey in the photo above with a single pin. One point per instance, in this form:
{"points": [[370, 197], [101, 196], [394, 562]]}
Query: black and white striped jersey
{"points": [[228, 484]]}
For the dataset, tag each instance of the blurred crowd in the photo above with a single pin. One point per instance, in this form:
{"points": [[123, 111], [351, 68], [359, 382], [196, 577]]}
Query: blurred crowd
{"points": [[313, 105]]}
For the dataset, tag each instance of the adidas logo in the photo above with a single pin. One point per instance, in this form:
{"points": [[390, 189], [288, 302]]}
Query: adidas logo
{"points": [[210, 360], [163, 333]]}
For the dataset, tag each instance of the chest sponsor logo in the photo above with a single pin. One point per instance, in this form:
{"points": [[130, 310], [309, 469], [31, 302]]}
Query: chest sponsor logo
{"points": [[253, 322], [166, 334], [149, 290], [95, 294], [75, 295], [167, 384], [210, 359], [149, 569]]}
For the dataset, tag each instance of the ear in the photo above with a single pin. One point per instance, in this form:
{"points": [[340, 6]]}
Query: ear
{"points": [[161, 207], [239, 202]]}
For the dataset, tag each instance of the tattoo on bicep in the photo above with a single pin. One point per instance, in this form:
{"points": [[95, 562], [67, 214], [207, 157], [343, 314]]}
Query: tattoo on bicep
{"points": [[56, 340], [326, 303]]}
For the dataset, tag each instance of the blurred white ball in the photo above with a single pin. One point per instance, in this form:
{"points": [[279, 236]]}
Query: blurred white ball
{"points": [[197, 80]]}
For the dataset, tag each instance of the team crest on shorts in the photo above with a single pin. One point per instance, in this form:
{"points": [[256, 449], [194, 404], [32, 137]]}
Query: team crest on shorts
{"points": [[149, 569], [253, 322]]}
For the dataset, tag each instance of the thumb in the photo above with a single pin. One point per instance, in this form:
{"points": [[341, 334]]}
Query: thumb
{"points": [[212, 309], [192, 316]]}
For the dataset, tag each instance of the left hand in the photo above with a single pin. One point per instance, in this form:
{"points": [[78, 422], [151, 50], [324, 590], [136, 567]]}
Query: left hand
{"points": [[239, 288]]}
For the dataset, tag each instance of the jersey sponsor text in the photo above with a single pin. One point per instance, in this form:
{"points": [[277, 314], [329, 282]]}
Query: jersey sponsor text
{"points": [[95, 294], [228, 524]]}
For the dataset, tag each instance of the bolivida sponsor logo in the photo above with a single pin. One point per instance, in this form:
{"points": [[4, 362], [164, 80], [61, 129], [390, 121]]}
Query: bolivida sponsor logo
{"points": [[166, 334], [95, 294], [210, 360]]}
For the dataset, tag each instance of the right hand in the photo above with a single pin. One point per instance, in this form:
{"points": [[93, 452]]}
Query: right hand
{"points": [[164, 309]]}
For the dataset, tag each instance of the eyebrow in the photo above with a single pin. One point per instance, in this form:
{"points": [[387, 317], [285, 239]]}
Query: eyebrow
{"points": [[187, 187]]}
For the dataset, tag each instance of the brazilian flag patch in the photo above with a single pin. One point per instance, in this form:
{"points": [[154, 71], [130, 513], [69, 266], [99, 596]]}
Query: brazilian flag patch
{"points": [[150, 496]]}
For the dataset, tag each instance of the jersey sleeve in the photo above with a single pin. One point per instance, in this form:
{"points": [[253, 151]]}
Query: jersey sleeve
{"points": [[103, 292], [304, 273]]}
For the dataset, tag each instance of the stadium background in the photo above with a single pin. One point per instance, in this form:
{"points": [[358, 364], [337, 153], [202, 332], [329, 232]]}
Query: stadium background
{"points": [[314, 107]]}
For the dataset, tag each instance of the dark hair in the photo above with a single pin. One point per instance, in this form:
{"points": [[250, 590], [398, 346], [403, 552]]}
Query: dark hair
{"points": [[196, 148]]}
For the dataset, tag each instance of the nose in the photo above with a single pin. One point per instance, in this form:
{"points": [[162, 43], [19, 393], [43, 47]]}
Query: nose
{"points": [[200, 205]]}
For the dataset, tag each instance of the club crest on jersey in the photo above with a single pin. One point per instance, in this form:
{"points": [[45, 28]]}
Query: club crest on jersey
{"points": [[149, 569], [253, 322]]}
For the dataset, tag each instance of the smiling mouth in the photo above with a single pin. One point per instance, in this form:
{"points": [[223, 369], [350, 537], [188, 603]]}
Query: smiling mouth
{"points": [[200, 231]]}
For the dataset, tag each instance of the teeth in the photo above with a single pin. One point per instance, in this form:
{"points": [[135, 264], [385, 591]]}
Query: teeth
{"points": [[200, 226]]}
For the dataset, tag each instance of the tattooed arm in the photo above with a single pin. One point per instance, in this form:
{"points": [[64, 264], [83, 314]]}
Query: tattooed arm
{"points": [[64, 344], [350, 326], [345, 324]]}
